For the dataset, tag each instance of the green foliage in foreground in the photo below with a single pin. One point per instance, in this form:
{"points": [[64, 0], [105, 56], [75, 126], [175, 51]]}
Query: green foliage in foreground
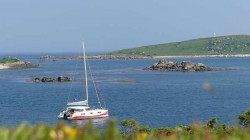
{"points": [[130, 130], [244, 119], [235, 44], [9, 60]]}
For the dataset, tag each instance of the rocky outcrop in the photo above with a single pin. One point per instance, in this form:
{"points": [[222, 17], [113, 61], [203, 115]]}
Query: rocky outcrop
{"points": [[18, 65], [23, 65], [51, 79], [185, 66], [63, 79], [36, 79]]}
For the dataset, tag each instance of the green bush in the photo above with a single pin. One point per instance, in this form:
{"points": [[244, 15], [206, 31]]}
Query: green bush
{"points": [[212, 123], [145, 129], [244, 119]]}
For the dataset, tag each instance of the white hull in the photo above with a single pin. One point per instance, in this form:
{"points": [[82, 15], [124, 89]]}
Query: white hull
{"points": [[83, 113]]}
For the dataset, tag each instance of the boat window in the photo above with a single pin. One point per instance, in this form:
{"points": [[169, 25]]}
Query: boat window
{"points": [[83, 114], [79, 110], [91, 112], [87, 109], [99, 112]]}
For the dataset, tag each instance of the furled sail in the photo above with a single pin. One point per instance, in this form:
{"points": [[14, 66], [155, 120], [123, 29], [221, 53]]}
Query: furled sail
{"points": [[85, 102]]}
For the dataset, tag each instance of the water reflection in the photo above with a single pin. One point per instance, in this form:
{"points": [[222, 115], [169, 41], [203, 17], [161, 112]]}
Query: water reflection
{"points": [[97, 122]]}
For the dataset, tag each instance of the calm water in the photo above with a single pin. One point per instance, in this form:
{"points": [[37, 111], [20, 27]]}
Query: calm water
{"points": [[153, 98]]}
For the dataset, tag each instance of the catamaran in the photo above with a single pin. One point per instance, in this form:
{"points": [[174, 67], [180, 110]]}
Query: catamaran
{"points": [[81, 109]]}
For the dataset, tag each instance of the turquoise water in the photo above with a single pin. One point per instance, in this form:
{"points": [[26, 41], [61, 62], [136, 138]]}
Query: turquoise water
{"points": [[153, 98]]}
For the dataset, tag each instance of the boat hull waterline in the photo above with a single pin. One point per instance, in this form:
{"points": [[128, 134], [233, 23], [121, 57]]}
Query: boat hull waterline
{"points": [[99, 113]]}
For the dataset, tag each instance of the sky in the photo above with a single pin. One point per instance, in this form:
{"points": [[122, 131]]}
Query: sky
{"points": [[59, 26]]}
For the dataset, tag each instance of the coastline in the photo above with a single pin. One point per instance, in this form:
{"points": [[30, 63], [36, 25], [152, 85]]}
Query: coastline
{"points": [[3, 66], [204, 56], [124, 57], [17, 65]]}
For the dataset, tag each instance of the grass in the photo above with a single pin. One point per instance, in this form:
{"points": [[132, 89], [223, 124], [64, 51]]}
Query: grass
{"points": [[9, 60], [234, 44]]}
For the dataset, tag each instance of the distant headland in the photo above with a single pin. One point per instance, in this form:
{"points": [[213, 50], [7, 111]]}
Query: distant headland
{"points": [[222, 46], [233, 45]]}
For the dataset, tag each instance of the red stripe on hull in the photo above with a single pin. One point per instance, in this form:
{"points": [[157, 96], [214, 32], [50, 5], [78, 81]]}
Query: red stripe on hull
{"points": [[81, 117]]}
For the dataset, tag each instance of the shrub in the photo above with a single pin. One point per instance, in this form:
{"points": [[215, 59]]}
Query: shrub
{"points": [[244, 119]]}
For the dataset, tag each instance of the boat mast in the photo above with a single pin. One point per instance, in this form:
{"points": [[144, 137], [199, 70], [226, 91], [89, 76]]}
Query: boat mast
{"points": [[85, 68]]}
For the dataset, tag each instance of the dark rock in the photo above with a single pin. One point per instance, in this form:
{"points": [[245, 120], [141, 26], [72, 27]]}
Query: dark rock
{"points": [[52, 79], [48, 79], [36, 79], [64, 79]]}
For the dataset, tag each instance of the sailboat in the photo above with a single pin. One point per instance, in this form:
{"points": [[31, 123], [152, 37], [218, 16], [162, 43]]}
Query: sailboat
{"points": [[81, 109]]}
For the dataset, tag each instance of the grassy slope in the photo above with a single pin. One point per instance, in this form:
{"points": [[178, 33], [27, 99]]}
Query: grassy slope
{"points": [[235, 44], [9, 60]]}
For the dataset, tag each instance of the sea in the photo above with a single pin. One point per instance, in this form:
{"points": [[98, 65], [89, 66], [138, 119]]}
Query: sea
{"points": [[153, 98]]}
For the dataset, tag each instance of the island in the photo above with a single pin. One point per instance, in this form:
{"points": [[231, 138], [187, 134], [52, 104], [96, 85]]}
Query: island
{"points": [[221, 46], [14, 63], [185, 66]]}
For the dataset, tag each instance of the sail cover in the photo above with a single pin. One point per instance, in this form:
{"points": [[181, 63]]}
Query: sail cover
{"points": [[85, 102]]}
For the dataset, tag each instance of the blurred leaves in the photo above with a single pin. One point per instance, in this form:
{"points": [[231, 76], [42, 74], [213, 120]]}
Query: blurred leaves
{"points": [[130, 130], [244, 119]]}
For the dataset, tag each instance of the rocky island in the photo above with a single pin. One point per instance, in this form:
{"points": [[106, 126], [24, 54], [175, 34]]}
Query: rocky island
{"points": [[185, 66], [14, 63]]}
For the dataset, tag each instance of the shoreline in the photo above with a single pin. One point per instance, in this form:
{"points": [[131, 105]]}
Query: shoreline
{"points": [[2, 67], [17, 65], [205, 56], [123, 57]]}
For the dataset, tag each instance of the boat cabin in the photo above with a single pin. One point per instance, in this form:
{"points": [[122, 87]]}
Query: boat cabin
{"points": [[78, 109]]}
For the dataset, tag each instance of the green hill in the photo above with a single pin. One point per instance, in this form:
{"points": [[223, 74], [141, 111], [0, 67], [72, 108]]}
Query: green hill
{"points": [[222, 45], [9, 60]]}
